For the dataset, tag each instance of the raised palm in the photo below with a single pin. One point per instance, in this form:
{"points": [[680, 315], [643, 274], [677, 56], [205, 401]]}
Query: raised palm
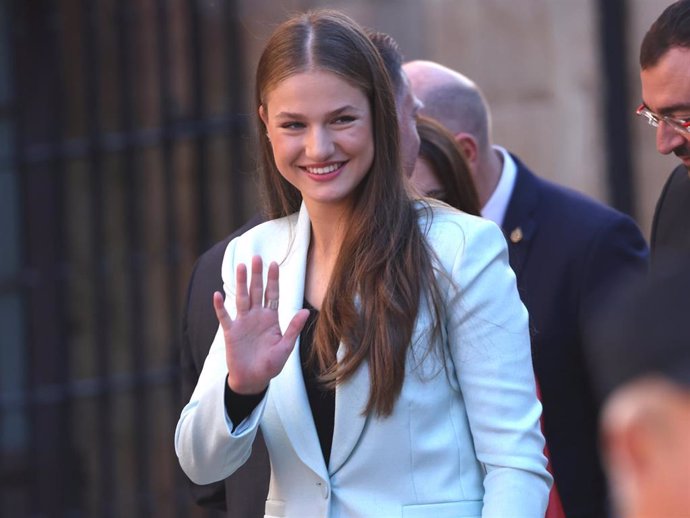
{"points": [[255, 348]]}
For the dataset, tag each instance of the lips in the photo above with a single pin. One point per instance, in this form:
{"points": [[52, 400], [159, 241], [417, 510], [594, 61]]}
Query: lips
{"points": [[324, 170]]}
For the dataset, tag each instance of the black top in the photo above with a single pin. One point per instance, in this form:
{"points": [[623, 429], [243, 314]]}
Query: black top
{"points": [[321, 399]]}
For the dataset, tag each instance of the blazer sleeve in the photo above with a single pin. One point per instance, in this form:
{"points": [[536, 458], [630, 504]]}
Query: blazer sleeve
{"points": [[208, 445], [211, 495], [488, 336]]}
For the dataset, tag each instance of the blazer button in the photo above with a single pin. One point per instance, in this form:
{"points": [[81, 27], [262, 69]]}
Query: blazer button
{"points": [[325, 490]]}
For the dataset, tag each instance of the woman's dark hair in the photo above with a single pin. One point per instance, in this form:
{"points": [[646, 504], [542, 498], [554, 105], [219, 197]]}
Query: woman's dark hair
{"points": [[448, 163], [384, 267], [671, 29]]}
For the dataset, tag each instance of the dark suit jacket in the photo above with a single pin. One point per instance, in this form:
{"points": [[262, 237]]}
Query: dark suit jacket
{"points": [[243, 495], [671, 224], [567, 251]]}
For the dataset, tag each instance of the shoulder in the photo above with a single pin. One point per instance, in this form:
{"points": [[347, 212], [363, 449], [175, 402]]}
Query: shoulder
{"points": [[213, 257], [269, 239], [577, 214], [450, 232], [677, 181]]}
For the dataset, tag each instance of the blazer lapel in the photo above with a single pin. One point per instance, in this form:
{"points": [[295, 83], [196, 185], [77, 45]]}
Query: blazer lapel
{"points": [[349, 423], [520, 224], [287, 389]]}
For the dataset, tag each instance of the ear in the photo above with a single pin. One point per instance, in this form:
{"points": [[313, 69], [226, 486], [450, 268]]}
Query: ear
{"points": [[263, 115], [469, 147], [623, 480], [630, 448]]}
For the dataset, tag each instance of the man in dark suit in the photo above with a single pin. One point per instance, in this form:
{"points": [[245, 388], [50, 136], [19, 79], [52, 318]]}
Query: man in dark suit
{"points": [[665, 77], [243, 494], [567, 251]]}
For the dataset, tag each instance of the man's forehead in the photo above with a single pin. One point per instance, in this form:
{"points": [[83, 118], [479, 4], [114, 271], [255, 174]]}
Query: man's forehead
{"points": [[666, 85]]}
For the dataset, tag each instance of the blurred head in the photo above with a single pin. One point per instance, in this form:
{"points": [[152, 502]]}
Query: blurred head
{"points": [[458, 104], [330, 42], [639, 354], [441, 171], [407, 105], [665, 78]]}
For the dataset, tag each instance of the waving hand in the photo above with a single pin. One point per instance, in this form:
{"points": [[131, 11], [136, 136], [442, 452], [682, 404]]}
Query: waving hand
{"points": [[255, 348]]}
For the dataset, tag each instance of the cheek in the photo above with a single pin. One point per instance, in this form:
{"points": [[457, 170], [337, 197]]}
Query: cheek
{"points": [[284, 148]]}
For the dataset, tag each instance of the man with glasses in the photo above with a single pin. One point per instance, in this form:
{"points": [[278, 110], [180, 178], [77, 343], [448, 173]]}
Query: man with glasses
{"points": [[665, 77]]}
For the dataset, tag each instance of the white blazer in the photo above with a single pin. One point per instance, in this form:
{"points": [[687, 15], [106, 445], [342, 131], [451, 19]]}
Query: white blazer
{"points": [[464, 438]]}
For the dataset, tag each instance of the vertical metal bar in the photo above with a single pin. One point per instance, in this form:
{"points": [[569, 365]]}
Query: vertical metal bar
{"points": [[236, 85], [198, 89], [13, 421], [134, 214], [41, 113], [108, 483], [173, 246], [613, 46]]}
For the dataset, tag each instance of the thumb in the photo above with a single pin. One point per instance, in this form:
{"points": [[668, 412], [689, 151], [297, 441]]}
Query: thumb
{"points": [[296, 325]]}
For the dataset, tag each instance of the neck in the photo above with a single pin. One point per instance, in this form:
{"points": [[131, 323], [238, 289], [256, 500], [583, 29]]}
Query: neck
{"points": [[327, 232], [489, 174], [328, 223]]}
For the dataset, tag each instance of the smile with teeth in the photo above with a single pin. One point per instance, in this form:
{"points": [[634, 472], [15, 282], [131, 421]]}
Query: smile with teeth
{"points": [[324, 170]]}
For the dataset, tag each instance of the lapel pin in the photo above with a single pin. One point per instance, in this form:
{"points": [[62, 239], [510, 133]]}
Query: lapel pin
{"points": [[516, 235]]}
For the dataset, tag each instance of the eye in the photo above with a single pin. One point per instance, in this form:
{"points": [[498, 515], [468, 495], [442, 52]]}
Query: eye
{"points": [[291, 125], [344, 119]]}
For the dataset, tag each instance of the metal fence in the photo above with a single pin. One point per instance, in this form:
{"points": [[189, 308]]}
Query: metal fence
{"points": [[121, 153]]}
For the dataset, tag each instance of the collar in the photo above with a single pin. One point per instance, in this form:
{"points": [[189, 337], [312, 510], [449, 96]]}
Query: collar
{"points": [[497, 204]]}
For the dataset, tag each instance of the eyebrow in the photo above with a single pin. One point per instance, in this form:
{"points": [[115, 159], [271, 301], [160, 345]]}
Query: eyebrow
{"points": [[670, 110], [334, 113]]}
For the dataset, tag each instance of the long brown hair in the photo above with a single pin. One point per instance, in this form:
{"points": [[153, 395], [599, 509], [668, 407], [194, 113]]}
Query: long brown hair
{"points": [[440, 149], [385, 265]]}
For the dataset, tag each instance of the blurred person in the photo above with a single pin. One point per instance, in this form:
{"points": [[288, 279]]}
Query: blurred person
{"points": [[441, 170], [639, 352], [567, 252], [243, 494], [665, 78], [411, 389]]}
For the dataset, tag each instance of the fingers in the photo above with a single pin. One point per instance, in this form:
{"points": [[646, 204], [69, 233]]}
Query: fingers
{"points": [[221, 313], [241, 295], [272, 293], [256, 283], [247, 299]]}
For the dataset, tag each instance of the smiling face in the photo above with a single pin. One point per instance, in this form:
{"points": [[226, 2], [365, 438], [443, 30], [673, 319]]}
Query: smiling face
{"points": [[320, 128], [666, 92]]}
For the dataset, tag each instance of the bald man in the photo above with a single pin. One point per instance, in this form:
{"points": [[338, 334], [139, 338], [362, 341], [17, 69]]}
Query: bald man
{"points": [[567, 252]]}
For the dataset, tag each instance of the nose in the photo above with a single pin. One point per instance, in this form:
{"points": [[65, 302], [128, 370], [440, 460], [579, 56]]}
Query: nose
{"points": [[667, 139], [319, 145]]}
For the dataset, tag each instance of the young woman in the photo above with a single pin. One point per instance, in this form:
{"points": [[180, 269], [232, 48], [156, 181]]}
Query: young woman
{"points": [[410, 391]]}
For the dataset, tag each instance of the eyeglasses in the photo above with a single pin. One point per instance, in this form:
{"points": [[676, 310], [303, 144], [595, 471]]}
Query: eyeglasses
{"points": [[680, 125]]}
